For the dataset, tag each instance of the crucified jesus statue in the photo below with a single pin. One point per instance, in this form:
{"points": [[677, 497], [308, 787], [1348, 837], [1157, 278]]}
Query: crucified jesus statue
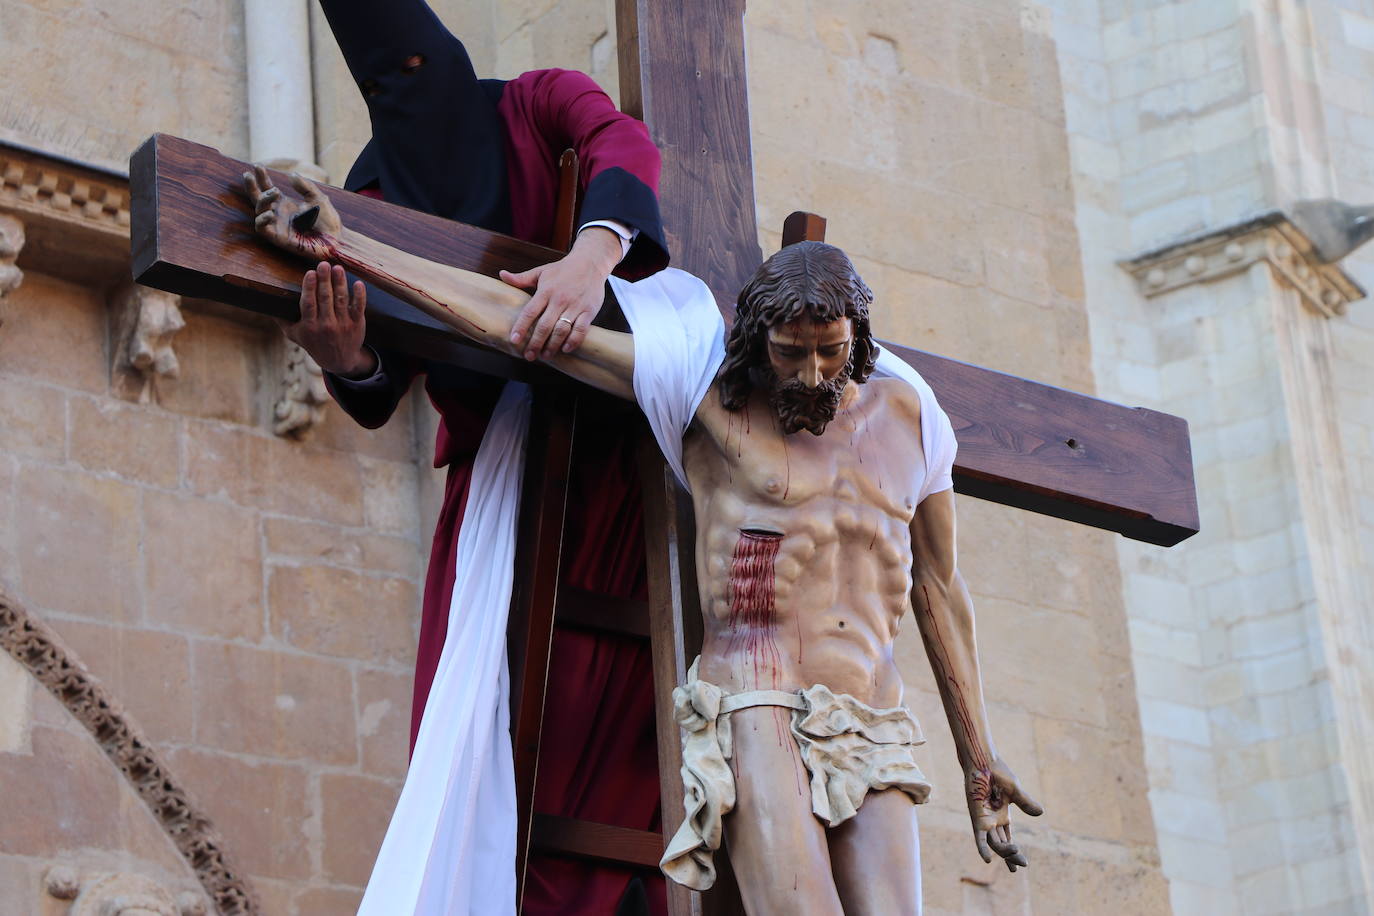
{"points": [[824, 513]]}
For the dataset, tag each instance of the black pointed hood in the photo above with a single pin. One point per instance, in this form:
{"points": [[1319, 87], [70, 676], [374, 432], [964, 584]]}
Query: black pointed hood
{"points": [[437, 143]]}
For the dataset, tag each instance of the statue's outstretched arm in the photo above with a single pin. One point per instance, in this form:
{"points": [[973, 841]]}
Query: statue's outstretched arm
{"points": [[481, 308], [944, 613]]}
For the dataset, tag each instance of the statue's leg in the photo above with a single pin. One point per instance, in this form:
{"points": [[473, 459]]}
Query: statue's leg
{"points": [[876, 856], [777, 846]]}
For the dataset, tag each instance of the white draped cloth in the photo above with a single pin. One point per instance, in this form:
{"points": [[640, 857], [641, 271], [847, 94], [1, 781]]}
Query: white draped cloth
{"points": [[679, 346], [450, 847]]}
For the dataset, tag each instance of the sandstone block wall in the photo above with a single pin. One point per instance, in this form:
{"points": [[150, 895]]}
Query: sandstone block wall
{"points": [[92, 80], [1189, 117], [252, 600], [933, 137]]}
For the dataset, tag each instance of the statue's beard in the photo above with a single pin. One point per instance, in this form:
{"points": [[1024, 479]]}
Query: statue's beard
{"points": [[799, 407]]}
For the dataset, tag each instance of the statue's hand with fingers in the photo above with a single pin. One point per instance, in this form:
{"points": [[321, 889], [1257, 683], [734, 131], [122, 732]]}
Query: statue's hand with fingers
{"points": [[309, 227], [332, 324], [991, 792]]}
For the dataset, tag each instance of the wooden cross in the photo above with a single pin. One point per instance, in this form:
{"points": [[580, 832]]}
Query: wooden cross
{"points": [[682, 71]]}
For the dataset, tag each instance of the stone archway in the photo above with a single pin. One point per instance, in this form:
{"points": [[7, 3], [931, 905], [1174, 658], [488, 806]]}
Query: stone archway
{"points": [[41, 651]]}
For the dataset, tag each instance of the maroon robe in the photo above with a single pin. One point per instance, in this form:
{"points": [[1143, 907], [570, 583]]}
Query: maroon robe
{"points": [[600, 760]]}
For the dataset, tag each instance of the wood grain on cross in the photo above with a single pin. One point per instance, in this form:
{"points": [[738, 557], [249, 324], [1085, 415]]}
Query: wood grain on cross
{"points": [[1021, 443], [682, 71]]}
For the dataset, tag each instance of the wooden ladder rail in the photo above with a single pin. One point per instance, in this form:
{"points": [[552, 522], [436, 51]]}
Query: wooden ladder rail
{"points": [[671, 619], [539, 555]]}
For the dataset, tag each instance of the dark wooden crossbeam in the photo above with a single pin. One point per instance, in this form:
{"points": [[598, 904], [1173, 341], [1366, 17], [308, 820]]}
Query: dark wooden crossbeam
{"points": [[597, 842], [1021, 443], [191, 234]]}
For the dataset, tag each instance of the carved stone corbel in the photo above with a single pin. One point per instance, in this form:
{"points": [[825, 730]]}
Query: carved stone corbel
{"points": [[1272, 238], [118, 894], [303, 395], [146, 320], [11, 243]]}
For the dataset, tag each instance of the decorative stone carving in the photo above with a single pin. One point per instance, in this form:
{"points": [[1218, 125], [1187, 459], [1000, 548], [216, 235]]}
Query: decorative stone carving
{"points": [[146, 320], [11, 243], [190, 904], [62, 882], [121, 894], [31, 183], [1273, 238], [303, 395], [124, 895], [39, 649]]}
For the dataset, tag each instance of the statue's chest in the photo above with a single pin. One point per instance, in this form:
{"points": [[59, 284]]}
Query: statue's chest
{"points": [[861, 459]]}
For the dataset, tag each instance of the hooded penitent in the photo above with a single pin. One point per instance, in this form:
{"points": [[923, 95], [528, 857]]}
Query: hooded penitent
{"points": [[437, 141], [485, 152]]}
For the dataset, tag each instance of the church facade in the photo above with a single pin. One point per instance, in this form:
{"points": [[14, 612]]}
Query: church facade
{"points": [[210, 579]]}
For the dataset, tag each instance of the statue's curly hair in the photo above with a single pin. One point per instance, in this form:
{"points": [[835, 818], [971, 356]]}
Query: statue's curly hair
{"points": [[809, 278]]}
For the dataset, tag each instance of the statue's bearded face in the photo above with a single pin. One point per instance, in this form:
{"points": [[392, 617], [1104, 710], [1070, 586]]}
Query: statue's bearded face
{"points": [[808, 371]]}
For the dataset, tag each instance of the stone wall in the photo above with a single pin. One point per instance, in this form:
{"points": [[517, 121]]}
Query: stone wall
{"points": [[252, 600], [92, 80], [934, 139], [1188, 118]]}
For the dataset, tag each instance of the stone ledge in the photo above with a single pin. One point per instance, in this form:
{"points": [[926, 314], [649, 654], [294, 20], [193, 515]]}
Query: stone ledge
{"points": [[76, 219], [1270, 237], [40, 186]]}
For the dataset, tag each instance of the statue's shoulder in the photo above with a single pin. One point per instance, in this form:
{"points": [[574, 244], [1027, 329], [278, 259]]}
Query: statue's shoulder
{"points": [[903, 400]]}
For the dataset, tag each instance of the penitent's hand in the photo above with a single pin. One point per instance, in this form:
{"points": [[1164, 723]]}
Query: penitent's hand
{"points": [[567, 295], [991, 792], [310, 228], [332, 326]]}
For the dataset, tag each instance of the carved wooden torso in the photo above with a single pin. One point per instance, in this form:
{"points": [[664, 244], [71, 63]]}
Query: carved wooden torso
{"points": [[803, 541]]}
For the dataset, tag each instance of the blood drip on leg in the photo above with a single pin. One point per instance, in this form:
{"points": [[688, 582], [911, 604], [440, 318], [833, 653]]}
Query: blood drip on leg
{"points": [[784, 719]]}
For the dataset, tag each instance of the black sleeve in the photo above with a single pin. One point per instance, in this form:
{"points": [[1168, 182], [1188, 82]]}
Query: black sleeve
{"points": [[371, 402], [616, 194]]}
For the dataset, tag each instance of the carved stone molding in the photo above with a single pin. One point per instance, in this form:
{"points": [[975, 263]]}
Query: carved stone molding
{"points": [[45, 186], [35, 646], [303, 395], [1273, 238], [145, 322], [119, 894], [11, 243]]}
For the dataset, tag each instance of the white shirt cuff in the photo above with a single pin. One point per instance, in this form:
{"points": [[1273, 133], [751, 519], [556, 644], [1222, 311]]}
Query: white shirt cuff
{"points": [[627, 235]]}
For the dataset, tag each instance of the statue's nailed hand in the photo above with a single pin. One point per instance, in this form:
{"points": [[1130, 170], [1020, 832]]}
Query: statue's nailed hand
{"points": [[991, 792], [309, 227]]}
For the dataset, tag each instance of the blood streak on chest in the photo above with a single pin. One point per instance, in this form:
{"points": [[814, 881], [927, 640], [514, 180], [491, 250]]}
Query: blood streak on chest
{"points": [[752, 597], [877, 476], [787, 465]]}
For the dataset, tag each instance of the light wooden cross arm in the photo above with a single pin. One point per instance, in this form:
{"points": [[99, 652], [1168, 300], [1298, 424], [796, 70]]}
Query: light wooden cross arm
{"points": [[479, 307]]}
